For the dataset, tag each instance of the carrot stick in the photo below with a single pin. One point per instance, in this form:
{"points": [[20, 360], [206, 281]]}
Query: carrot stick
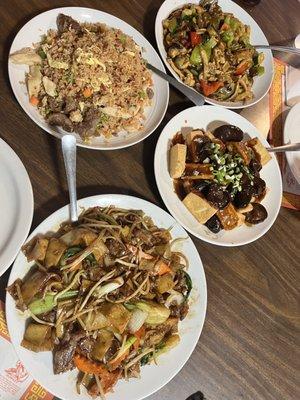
{"points": [[34, 100], [87, 92]]}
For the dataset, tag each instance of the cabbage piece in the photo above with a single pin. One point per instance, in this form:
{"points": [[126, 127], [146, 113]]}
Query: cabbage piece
{"points": [[27, 56], [34, 79], [49, 86]]}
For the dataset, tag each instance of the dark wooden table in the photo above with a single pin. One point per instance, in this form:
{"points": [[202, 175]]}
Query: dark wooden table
{"points": [[248, 347]]}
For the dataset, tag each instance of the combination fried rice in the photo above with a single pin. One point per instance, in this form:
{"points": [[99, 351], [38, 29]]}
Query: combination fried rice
{"points": [[88, 78]]}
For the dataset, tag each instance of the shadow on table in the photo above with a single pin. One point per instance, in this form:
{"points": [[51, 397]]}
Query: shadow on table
{"points": [[149, 23]]}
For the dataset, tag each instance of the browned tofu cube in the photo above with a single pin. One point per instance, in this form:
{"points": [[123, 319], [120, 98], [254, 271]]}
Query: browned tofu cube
{"points": [[229, 217], [192, 135], [117, 315], [199, 207], [177, 160], [241, 149], [260, 150]]}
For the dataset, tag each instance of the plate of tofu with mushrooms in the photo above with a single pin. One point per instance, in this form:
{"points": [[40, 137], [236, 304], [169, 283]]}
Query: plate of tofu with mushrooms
{"points": [[216, 176]]}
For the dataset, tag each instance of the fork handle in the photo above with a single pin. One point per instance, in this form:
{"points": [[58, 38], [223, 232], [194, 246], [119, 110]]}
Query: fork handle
{"points": [[285, 49]]}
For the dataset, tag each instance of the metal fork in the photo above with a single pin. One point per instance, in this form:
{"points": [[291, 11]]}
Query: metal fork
{"points": [[190, 93]]}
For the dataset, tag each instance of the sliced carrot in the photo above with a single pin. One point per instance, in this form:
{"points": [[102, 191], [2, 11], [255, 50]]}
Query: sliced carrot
{"points": [[224, 27], [139, 335], [209, 88], [117, 361], [87, 92], [195, 38], [144, 255], [34, 100], [89, 367], [161, 268], [242, 67], [108, 378]]}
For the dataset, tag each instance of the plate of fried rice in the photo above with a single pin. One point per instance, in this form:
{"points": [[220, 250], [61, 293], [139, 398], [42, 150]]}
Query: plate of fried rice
{"points": [[83, 71]]}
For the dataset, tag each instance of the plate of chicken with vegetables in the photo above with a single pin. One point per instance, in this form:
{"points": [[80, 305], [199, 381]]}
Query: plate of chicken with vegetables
{"points": [[216, 176], [209, 45], [122, 295]]}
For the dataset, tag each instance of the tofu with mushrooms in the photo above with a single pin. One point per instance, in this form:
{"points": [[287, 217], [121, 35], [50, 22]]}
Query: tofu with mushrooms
{"points": [[260, 150], [199, 207], [177, 160], [230, 218]]}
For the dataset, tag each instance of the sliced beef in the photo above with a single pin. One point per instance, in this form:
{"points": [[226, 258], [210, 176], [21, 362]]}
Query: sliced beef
{"points": [[48, 317], [85, 345], [55, 105], [70, 105], [96, 273], [63, 353], [62, 120], [89, 124], [142, 235], [179, 311], [65, 23], [156, 335], [150, 93], [115, 248]]}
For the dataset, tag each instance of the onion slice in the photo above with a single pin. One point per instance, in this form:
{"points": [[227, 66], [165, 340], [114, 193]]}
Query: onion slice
{"points": [[138, 317]]}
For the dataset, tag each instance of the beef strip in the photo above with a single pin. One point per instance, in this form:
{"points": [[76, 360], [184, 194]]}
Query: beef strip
{"points": [[85, 345], [88, 126], [179, 311], [64, 23], [55, 105], [61, 120], [115, 248], [63, 353], [71, 105], [142, 235], [96, 273], [155, 336]]}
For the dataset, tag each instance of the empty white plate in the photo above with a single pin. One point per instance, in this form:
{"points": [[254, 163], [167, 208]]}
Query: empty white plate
{"points": [[208, 117], [16, 205], [37, 26], [153, 377], [292, 135]]}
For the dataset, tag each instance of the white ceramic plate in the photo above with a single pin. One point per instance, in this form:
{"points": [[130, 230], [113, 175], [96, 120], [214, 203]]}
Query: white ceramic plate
{"points": [[153, 377], [291, 135], [208, 117], [37, 26], [16, 205], [261, 84]]}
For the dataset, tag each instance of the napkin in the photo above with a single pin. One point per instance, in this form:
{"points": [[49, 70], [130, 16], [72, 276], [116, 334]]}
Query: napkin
{"points": [[15, 381]]}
